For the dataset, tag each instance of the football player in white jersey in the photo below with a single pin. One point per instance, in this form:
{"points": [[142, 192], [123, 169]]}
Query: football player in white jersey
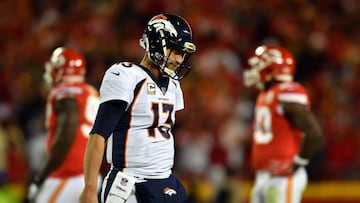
{"points": [[134, 123]]}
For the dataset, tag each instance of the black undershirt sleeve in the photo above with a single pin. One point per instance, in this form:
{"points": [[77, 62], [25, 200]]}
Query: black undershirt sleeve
{"points": [[107, 117]]}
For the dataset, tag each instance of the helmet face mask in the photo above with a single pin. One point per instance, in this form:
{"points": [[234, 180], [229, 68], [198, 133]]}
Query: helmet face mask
{"points": [[270, 62], [164, 34], [64, 65]]}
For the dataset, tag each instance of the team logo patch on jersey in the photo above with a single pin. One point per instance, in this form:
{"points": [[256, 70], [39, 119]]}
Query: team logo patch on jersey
{"points": [[150, 88], [169, 191]]}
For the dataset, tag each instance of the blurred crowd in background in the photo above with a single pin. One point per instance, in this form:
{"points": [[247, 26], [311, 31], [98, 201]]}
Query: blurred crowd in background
{"points": [[213, 132]]}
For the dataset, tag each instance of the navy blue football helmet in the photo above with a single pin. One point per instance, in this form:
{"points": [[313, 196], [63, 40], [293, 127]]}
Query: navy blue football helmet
{"points": [[168, 31]]}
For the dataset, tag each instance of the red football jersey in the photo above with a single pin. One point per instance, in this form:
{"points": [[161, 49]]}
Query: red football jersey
{"points": [[87, 99], [275, 140]]}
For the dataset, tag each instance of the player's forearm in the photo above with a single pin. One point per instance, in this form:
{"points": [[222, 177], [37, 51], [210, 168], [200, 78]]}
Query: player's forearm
{"points": [[310, 145], [93, 159], [55, 158], [65, 133], [312, 139]]}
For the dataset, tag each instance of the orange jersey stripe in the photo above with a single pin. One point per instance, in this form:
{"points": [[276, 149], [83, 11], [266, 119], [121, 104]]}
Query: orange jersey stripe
{"points": [[289, 189], [57, 191]]}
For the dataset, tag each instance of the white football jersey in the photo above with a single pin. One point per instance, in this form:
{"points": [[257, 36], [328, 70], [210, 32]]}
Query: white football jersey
{"points": [[142, 143]]}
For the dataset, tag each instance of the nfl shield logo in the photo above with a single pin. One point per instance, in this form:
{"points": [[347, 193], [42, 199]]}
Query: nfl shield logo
{"points": [[124, 181]]}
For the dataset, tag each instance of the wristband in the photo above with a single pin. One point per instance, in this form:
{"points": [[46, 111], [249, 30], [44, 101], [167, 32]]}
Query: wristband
{"points": [[301, 161]]}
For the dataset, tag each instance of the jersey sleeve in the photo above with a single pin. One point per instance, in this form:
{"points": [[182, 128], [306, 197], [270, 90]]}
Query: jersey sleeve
{"points": [[117, 84], [293, 93]]}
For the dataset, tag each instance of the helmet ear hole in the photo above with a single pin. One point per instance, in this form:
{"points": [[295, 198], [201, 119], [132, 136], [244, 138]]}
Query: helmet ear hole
{"points": [[158, 56]]}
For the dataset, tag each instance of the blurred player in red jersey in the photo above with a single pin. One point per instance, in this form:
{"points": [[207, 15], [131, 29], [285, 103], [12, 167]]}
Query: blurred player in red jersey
{"points": [[286, 132], [70, 112]]}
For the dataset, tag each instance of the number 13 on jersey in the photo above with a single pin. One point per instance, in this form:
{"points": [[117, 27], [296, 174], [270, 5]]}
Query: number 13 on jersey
{"points": [[161, 111]]}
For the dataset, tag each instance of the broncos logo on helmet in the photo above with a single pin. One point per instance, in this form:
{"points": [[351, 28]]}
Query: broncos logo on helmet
{"points": [[161, 24]]}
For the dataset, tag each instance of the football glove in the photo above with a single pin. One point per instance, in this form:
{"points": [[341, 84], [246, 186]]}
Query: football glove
{"points": [[34, 186]]}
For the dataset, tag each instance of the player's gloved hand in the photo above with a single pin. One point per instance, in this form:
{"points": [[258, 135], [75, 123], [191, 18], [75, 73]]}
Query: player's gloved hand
{"points": [[34, 185]]}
